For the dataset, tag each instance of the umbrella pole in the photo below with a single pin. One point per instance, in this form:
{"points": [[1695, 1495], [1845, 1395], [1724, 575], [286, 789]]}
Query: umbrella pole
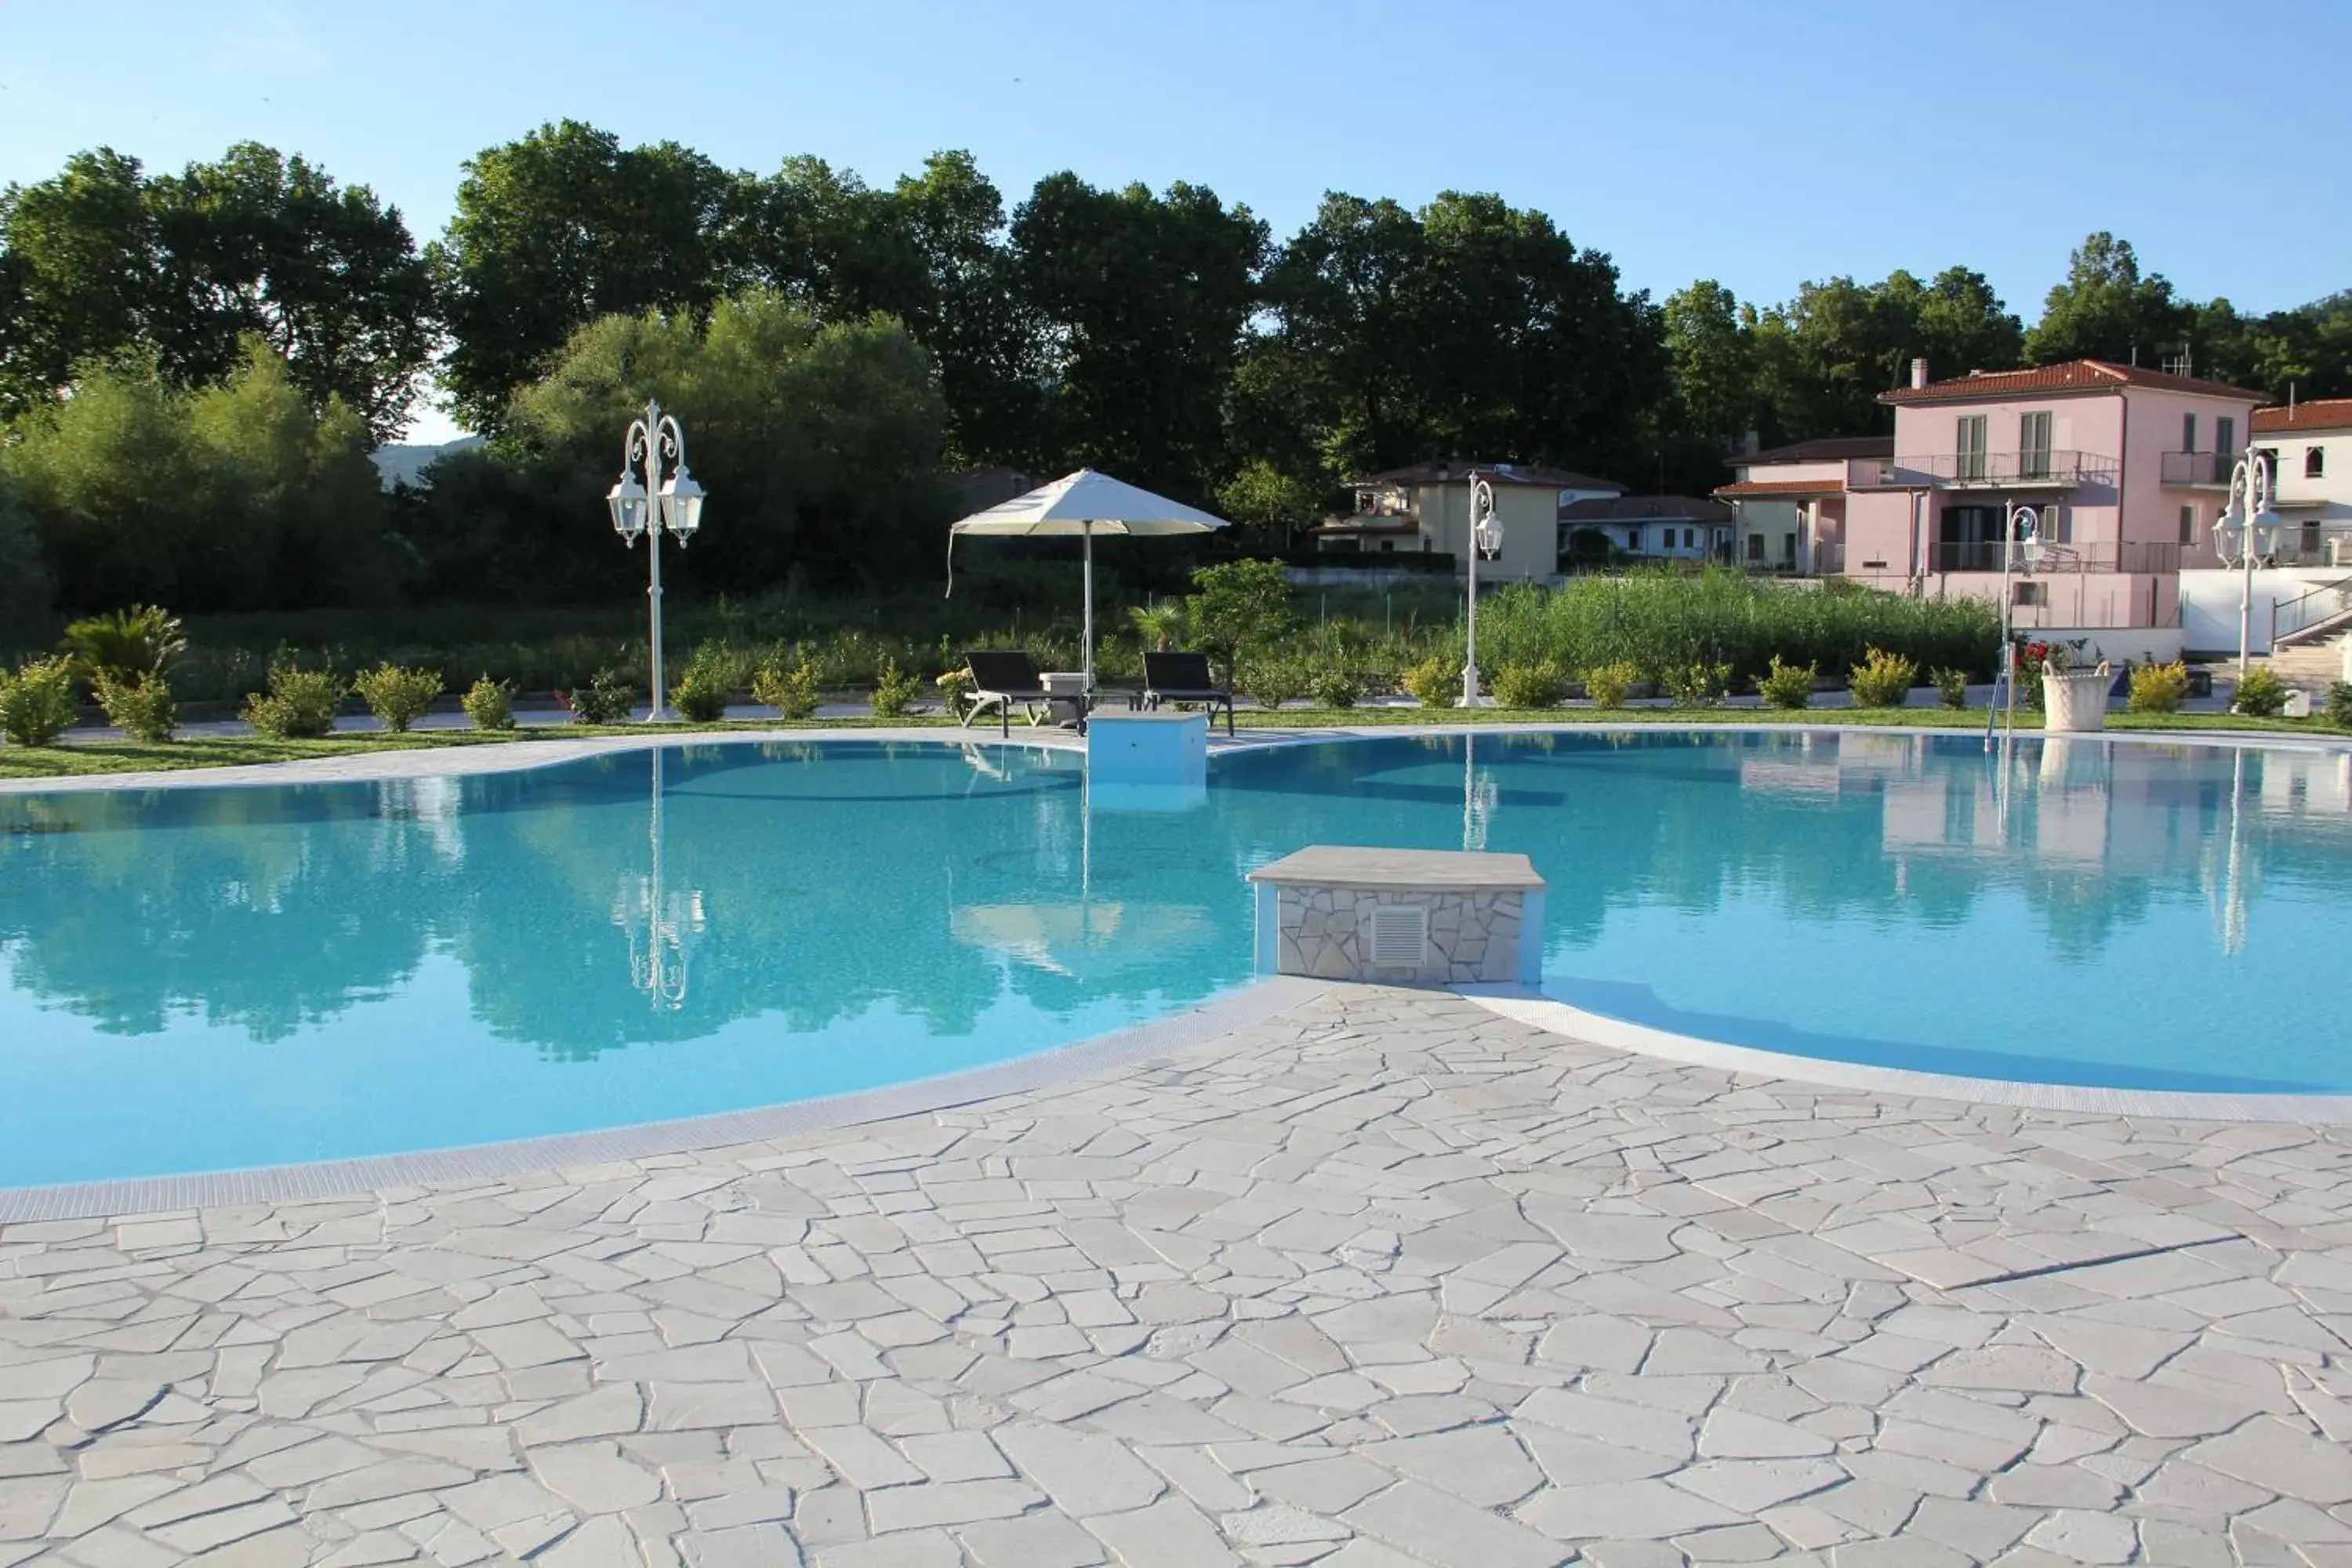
{"points": [[1086, 652]]}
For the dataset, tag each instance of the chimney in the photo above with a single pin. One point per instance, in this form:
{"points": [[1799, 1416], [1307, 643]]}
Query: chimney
{"points": [[1920, 370]]}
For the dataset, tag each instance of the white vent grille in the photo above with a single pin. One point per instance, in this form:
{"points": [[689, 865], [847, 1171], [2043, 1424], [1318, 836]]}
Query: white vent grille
{"points": [[1398, 935]]}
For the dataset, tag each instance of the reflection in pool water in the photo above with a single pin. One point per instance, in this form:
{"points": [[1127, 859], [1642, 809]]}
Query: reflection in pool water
{"points": [[207, 978]]}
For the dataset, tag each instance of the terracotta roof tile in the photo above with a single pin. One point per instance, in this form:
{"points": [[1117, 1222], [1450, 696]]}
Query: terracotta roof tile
{"points": [[1646, 509], [2074, 375], [1826, 449], [1535, 476], [1783, 487], [2320, 414]]}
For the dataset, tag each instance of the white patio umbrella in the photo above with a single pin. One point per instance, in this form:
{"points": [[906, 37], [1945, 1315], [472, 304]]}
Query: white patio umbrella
{"points": [[1080, 506]]}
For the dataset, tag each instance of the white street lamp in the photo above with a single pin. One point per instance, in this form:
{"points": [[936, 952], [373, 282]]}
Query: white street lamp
{"points": [[2021, 541], [643, 508], [2246, 529], [1485, 539]]}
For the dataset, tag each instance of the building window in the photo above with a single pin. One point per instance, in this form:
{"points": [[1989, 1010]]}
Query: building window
{"points": [[1789, 550], [2315, 462], [2188, 525], [1971, 464], [2225, 439], [1634, 540], [2033, 445], [1756, 547], [2188, 432], [2029, 593], [1690, 538]]}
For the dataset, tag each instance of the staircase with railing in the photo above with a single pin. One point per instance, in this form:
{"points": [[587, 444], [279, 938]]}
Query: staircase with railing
{"points": [[2313, 616]]}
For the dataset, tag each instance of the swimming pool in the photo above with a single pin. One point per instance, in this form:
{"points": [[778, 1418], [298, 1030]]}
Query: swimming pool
{"points": [[211, 978]]}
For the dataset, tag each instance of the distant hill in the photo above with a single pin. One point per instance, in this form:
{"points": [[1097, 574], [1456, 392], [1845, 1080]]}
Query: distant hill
{"points": [[402, 465]]}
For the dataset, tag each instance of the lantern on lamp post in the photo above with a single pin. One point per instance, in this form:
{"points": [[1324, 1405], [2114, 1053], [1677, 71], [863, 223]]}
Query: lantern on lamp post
{"points": [[645, 508], [1487, 539], [2246, 530]]}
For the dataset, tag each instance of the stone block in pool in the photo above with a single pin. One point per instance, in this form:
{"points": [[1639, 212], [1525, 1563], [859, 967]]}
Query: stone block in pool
{"points": [[1411, 917], [1165, 749]]}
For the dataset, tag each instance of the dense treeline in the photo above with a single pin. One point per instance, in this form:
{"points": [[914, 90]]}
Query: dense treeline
{"points": [[193, 366]]}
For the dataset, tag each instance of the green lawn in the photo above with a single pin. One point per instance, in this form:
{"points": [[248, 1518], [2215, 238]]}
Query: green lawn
{"points": [[230, 751]]}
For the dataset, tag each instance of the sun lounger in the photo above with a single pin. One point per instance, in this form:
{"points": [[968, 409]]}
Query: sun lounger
{"points": [[1001, 678], [1185, 678]]}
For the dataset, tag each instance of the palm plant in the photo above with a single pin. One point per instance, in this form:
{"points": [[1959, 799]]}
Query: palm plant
{"points": [[142, 640], [1160, 622]]}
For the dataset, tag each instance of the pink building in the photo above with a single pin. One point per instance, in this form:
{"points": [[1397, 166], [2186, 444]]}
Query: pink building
{"points": [[2126, 470]]}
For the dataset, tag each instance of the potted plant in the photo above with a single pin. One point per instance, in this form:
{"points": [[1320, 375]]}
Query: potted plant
{"points": [[2074, 701]]}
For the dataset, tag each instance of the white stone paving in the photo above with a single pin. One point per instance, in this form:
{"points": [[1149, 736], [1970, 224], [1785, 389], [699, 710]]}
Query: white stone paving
{"points": [[1389, 1279]]}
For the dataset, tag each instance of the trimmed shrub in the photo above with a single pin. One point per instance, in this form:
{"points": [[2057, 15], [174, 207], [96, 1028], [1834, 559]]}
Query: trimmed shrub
{"points": [[1952, 685], [1435, 683], [2159, 688], [1336, 688], [790, 690], [300, 705], [2336, 707], [1696, 684], [1788, 685], [605, 699], [701, 694], [1539, 684], [141, 707], [398, 696], [894, 691], [490, 703], [1275, 681], [36, 703], [2262, 694], [1882, 679], [1607, 684]]}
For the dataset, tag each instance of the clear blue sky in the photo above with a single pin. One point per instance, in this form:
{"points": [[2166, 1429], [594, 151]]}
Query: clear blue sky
{"points": [[1759, 142]]}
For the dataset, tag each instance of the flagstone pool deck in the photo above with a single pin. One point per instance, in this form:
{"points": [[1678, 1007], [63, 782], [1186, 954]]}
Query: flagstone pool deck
{"points": [[1388, 1277]]}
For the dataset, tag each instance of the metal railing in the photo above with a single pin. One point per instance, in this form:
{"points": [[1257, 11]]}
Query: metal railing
{"points": [[2305, 611], [1985, 471], [2139, 559], [2197, 467]]}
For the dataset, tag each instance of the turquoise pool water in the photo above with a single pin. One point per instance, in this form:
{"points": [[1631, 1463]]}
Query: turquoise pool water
{"points": [[210, 978]]}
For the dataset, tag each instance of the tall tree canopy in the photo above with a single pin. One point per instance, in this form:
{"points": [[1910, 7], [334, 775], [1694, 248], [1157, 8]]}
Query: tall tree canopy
{"points": [[1136, 302], [560, 228], [237, 496], [1467, 328], [818, 441], [2106, 308], [103, 263]]}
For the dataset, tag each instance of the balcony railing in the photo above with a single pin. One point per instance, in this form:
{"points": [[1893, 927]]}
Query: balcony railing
{"points": [[2056, 469], [2160, 560], [2199, 468]]}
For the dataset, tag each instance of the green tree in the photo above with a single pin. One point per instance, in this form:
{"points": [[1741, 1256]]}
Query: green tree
{"points": [[27, 589], [1824, 357], [102, 263], [1238, 606], [819, 443], [2107, 309], [1714, 363], [562, 228], [1138, 301], [238, 496]]}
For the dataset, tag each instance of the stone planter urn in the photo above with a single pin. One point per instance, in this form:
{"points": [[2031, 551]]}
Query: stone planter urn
{"points": [[2075, 701]]}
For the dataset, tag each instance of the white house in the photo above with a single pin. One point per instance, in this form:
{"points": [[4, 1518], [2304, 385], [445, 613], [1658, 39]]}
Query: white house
{"points": [[2310, 447], [1659, 528]]}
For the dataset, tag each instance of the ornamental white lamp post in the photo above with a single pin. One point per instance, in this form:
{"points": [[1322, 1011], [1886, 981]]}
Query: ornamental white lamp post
{"points": [[2246, 529], [646, 507], [1485, 539], [2020, 539]]}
